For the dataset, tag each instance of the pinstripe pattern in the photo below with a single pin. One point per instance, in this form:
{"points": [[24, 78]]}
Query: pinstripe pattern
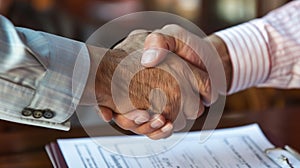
{"points": [[36, 71], [266, 52]]}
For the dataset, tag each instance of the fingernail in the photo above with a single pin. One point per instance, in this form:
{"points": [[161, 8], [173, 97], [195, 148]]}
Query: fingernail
{"points": [[140, 120], [149, 56], [167, 128], [157, 123]]}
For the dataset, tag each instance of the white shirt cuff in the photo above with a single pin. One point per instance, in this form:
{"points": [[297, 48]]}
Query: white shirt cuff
{"points": [[249, 55]]}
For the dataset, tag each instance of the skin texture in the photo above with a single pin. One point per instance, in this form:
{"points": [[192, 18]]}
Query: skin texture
{"points": [[153, 89], [175, 38], [222, 50], [150, 78], [140, 86]]}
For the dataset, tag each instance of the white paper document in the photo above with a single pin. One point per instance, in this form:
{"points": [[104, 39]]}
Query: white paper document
{"points": [[240, 147]]}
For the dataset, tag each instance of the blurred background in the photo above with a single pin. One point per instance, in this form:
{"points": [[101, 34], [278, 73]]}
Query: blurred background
{"points": [[77, 19], [23, 146]]}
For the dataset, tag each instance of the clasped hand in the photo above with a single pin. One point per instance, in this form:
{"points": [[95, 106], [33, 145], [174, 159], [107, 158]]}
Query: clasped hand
{"points": [[164, 95]]}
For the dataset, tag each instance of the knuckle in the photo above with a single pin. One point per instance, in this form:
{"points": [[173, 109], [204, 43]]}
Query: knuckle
{"points": [[156, 39], [156, 36], [143, 131], [154, 136], [207, 85], [176, 29], [124, 124], [138, 32], [172, 27], [171, 111], [196, 113], [200, 111], [191, 116]]}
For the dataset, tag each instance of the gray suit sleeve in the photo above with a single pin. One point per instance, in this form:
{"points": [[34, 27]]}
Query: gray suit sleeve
{"points": [[42, 76]]}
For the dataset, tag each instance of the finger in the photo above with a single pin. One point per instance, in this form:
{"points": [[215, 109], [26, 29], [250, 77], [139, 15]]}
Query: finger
{"points": [[200, 111], [172, 38], [156, 122], [138, 116], [198, 95], [180, 122], [105, 113], [131, 120], [155, 48], [134, 41], [201, 84], [196, 113], [164, 132]]}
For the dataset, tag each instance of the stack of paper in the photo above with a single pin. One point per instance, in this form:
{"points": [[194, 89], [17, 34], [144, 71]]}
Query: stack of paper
{"points": [[226, 148]]}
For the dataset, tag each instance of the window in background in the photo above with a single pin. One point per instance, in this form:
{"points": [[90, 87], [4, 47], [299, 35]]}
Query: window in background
{"points": [[109, 10], [4, 6], [236, 11], [267, 5], [189, 9]]}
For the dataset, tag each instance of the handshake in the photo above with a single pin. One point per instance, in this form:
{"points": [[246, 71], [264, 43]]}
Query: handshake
{"points": [[151, 83]]}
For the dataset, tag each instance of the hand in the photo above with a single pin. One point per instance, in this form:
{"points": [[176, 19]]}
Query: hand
{"points": [[134, 120], [138, 121], [141, 86], [183, 43]]}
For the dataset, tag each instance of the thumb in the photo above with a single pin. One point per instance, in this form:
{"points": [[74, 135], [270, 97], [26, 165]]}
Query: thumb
{"points": [[171, 38], [156, 47]]}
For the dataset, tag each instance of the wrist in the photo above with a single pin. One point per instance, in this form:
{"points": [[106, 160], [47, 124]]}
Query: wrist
{"points": [[222, 50], [104, 75]]}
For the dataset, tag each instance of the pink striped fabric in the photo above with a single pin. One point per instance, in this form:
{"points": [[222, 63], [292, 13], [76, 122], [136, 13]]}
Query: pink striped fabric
{"points": [[266, 52]]}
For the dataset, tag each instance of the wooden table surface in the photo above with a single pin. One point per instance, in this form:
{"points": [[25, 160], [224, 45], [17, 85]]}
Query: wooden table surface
{"points": [[23, 146]]}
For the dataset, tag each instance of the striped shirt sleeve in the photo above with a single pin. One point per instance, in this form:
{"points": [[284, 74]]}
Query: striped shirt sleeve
{"points": [[265, 52]]}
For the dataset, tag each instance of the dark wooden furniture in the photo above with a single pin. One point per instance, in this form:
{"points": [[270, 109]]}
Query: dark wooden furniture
{"points": [[23, 146]]}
